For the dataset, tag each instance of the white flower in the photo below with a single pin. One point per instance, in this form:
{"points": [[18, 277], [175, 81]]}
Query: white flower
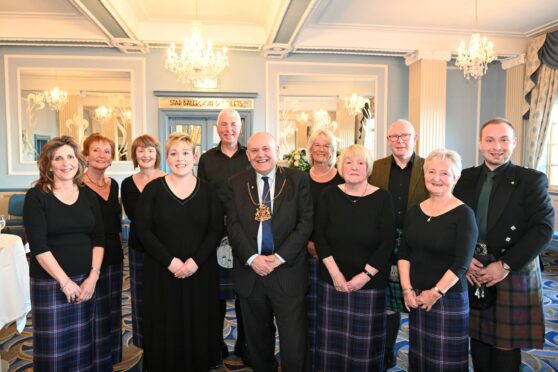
{"points": [[297, 157], [296, 163]]}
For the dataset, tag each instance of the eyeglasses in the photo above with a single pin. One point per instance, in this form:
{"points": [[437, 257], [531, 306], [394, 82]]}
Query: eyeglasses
{"points": [[396, 137]]}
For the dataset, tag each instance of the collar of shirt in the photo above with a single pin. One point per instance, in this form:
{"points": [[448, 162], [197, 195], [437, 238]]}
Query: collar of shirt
{"points": [[271, 181], [498, 171], [239, 147], [409, 164]]}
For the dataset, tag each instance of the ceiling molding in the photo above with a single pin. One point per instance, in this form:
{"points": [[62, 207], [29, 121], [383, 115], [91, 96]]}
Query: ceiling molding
{"points": [[512, 62]]}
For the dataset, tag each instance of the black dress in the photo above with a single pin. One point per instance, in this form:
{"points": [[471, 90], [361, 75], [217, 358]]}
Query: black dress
{"points": [[180, 314]]}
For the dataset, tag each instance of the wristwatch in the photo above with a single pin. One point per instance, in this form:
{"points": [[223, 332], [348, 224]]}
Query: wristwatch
{"points": [[506, 266]]}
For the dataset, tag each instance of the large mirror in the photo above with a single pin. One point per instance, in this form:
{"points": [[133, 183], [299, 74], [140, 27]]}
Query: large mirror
{"points": [[348, 98], [344, 105], [58, 102], [72, 96]]}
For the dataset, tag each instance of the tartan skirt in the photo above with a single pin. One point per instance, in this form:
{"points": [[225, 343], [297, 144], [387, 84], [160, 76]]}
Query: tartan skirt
{"points": [[439, 338], [312, 305], [62, 331], [226, 291], [516, 320], [350, 330], [136, 287], [107, 318]]}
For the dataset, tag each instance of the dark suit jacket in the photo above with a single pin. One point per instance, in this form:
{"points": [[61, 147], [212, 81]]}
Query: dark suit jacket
{"points": [[417, 189], [292, 224], [520, 215]]}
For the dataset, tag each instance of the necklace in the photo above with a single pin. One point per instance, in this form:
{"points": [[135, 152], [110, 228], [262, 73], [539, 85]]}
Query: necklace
{"points": [[436, 211], [354, 200], [262, 211], [320, 175], [95, 183]]}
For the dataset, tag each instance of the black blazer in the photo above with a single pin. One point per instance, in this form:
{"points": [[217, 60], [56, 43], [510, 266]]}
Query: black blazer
{"points": [[292, 224], [520, 215]]}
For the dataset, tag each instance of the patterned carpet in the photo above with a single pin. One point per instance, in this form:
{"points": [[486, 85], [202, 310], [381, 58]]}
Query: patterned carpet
{"points": [[17, 349]]}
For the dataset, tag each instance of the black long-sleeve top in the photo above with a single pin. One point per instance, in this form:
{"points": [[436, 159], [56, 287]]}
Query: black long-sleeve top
{"points": [[355, 231], [432, 247], [130, 194], [170, 227], [111, 212], [69, 232], [316, 189]]}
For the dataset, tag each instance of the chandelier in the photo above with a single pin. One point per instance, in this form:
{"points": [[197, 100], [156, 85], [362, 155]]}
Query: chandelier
{"points": [[474, 59], [197, 63], [55, 98], [103, 112], [302, 117], [355, 103], [321, 118]]}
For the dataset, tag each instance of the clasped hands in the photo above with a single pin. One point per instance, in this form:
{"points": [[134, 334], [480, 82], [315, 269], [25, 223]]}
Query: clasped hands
{"points": [[490, 275], [264, 265], [80, 293], [181, 269], [342, 285], [425, 300]]}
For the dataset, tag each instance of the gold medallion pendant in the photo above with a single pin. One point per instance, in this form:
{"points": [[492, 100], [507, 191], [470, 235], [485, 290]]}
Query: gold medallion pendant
{"points": [[262, 213]]}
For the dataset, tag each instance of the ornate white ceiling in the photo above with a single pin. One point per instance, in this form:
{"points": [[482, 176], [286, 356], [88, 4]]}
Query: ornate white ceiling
{"points": [[278, 27]]}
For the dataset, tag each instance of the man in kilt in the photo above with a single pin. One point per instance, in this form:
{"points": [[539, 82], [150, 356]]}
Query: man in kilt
{"points": [[515, 220], [402, 175], [216, 166]]}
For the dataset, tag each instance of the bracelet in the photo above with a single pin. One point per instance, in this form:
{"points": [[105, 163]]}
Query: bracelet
{"points": [[368, 273], [407, 290], [65, 284], [436, 289], [98, 271]]}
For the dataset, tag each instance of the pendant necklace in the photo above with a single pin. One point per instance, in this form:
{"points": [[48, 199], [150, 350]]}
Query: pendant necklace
{"points": [[354, 200], [320, 175], [263, 213], [438, 209]]}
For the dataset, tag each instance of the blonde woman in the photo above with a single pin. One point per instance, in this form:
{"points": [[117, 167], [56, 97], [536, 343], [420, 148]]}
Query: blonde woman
{"points": [[180, 221], [146, 155], [354, 240]]}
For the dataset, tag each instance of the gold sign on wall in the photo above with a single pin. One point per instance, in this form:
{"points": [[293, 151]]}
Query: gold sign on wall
{"points": [[205, 103]]}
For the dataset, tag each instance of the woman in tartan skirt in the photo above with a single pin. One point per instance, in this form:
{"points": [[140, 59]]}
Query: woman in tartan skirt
{"points": [[65, 230], [436, 249], [146, 154], [354, 240]]}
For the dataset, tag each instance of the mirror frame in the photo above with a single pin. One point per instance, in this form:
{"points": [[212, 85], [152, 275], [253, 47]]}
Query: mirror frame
{"points": [[14, 63], [377, 72]]}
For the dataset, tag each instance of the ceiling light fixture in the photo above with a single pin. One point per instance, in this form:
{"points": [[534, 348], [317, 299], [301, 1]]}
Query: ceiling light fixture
{"points": [[103, 112], [197, 63], [355, 103], [474, 59], [55, 98]]}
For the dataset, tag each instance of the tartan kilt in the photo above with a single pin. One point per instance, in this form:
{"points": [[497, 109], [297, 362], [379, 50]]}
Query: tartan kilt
{"points": [[350, 330], [62, 331], [312, 305], [107, 318], [439, 338], [516, 320], [136, 288], [226, 291], [394, 292]]}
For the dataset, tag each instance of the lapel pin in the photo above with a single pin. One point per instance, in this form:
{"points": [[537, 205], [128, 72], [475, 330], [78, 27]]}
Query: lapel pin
{"points": [[513, 182], [512, 228], [508, 238]]}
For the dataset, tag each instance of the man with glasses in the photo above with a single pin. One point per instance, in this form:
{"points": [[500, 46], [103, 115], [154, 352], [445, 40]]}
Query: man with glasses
{"points": [[402, 175]]}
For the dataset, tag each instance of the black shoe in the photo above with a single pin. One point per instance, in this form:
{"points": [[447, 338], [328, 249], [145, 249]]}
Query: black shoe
{"points": [[389, 360]]}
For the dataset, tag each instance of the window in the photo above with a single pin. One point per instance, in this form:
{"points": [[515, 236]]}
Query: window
{"points": [[549, 162]]}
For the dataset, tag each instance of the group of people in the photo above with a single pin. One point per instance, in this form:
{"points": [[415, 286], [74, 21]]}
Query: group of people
{"points": [[329, 259]]}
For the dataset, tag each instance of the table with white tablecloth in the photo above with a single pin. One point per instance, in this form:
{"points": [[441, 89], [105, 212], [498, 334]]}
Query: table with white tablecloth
{"points": [[14, 282]]}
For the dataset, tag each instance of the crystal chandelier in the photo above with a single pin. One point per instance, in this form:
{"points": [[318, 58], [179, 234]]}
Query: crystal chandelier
{"points": [[103, 112], [355, 103], [302, 117], [321, 119], [197, 63], [55, 98], [474, 59]]}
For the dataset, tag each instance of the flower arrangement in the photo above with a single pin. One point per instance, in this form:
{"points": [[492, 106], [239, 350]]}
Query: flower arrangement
{"points": [[298, 159]]}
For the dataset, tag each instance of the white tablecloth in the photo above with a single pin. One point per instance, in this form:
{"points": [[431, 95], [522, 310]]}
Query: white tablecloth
{"points": [[14, 282]]}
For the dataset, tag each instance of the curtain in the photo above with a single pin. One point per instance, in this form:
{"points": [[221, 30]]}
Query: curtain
{"points": [[541, 92]]}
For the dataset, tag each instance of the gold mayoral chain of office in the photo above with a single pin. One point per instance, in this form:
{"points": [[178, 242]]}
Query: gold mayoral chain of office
{"points": [[262, 211]]}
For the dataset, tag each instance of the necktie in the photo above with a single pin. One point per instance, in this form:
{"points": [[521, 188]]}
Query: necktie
{"points": [[267, 232], [482, 205]]}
